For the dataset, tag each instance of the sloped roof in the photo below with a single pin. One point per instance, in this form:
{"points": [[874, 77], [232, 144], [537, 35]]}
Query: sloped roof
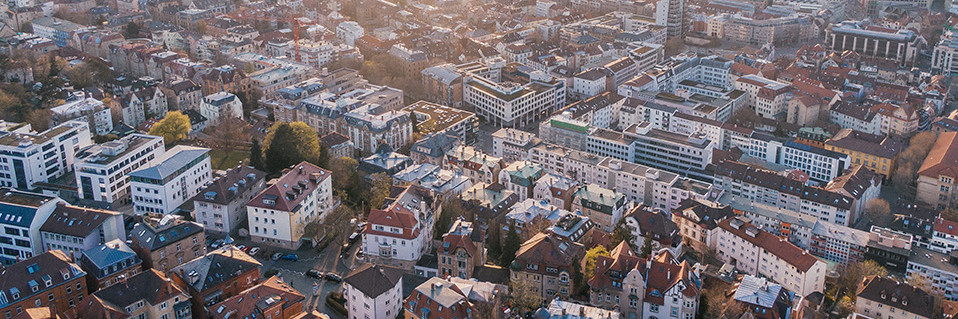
{"points": [[215, 268], [943, 157], [374, 280]]}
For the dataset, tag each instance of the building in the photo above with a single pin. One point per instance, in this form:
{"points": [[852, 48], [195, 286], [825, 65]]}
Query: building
{"points": [[108, 263], [820, 164], [940, 270], [877, 153], [513, 145], [882, 297], [473, 163], [674, 15], [869, 40], [49, 280], [279, 214], [371, 125], [28, 158], [216, 276], [531, 212], [493, 91], [545, 264], [559, 309], [75, 229], [138, 106], [698, 221], [686, 154], [174, 178], [400, 233], [167, 241], [273, 298], [762, 299], [411, 61], [603, 206], [373, 291], [462, 250], [149, 294], [338, 145], [432, 117], [769, 98], [650, 222], [219, 105], [443, 84], [101, 169], [645, 287], [349, 31], [23, 214], [520, 177], [220, 206], [890, 249], [449, 298], [87, 110], [937, 175], [56, 29], [757, 252]]}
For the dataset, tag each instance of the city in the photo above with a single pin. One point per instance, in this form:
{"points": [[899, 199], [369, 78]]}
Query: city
{"points": [[425, 159]]}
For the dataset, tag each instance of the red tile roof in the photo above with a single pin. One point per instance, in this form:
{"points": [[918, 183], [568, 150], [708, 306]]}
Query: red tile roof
{"points": [[943, 158], [775, 245]]}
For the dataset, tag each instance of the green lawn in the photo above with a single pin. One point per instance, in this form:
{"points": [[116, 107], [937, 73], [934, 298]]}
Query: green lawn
{"points": [[221, 159]]}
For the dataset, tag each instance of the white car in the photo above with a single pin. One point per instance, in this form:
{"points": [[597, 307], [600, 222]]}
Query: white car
{"points": [[253, 251]]}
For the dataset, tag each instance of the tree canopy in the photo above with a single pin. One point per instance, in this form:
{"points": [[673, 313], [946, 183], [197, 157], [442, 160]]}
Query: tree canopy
{"points": [[174, 127], [590, 257], [288, 144]]}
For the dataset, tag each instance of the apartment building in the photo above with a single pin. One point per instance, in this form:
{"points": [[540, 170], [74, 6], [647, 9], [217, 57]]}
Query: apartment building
{"points": [[217, 106], [220, 206], [944, 237], [473, 163], [174, 178], [400, 233], [163, 242], [687, 154], [462, 250], [432, 117], [820, 164], [443, 84], [28, 158], [603, 206], [936, 176], [758, 32], [883, 297], [940, 270], [758, 252], [48, 280], [545, 264], [698, 220], [769, 98], [110, 262], [102, 169], [22, 214], [149, 294], [520, 177], [555, 189], [272, 297], [371, 125], [75, 229], [513, 145], [373, 291], [218, 275], [87, 110], [511, 95], [877, 153], [278, 215]]}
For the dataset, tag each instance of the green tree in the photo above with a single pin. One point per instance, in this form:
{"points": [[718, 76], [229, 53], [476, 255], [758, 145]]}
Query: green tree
{"points": [[323, 157], [174, 127], [646, 247], [590, 257], [510, 246], [132, 30], [256, 155], [380, 190], [622, 232], [493, 243], [288, 144], [415, 121]]}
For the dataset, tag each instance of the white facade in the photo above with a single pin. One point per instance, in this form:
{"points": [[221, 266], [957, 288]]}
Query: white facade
{"points": [[217, 105], [175, 178], [399, 234], [102, 170], [939, 269], [383, 306], [89, 110], [512, 104], [279, 214], [769, 98], [23, 214], [30, 158], [349, 31], [223, 211]]}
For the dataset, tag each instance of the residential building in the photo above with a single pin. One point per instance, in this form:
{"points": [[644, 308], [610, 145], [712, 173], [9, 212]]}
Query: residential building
{"points": [[603, 206], [384, 162], [462, 250], [936, 176], [497, 96], [473, 163], [650, 222], [877, 153], [75, 229], [174, 178], [216, 276], [102, 169], [28, 158], [163, 242], [545, 264], [944, 237], [940, 270], [901, 45], [109, 263], [761, 298], [400, 233], [698, 221], [883, 297], [373, 291], [890, 249], [757, 252], [686, 154], [220, 206], [432, 117], [569, 226], [444, 183], [149, 294], [48, 280], [371, 125], [769, 98], [338, 145], [273, 298], [443, 84], [437, 298], [556, 189], [23, 214], [279, 214], [138, 106], [87, 110], [513, 145], [820, 164], [520, 177], [559, 309], [56, 29], [215, 107], [944, 58]]}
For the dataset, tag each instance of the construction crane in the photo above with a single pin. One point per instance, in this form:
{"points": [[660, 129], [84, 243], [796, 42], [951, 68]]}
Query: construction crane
{"points": [[296, 39]]}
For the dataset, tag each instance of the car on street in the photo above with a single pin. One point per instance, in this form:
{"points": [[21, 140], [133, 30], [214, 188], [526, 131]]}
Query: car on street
{"points": [[290, 257], [360, 226], [313, 273], [277, 256], [360, 254], [333, 277], [242, 248], [253, 251], [216, 244], [353, 237]]}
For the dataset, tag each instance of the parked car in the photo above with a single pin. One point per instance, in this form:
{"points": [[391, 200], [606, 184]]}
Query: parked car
{"points": [[313, 273], [353, 237], [253, 251], [333, 277], [242, 248], [360, 226], [277, 256], [216, 244], [360, 254], [290, 257]]}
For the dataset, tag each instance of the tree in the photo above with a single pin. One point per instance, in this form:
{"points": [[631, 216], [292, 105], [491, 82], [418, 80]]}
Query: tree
{"points": [[510, 246], [493, 242], [854, 273], [623, 232], [100, 139], [903, 177], [80, 76], [289, 144], [452, 208], [524, 298], [878, 211], [713, 300], [845, 306], [132, 30], [230, 133], [415, 121], [380, 190], [39, 119], [646, 247], [256, 155], [537, 225], [590, 257], [323, 157], [174, 127]]}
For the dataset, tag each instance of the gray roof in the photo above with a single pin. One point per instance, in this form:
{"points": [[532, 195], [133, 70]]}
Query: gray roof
{"points": [[108, 254], [175, 158], [758, 291], [215, 267], [374, 280]]}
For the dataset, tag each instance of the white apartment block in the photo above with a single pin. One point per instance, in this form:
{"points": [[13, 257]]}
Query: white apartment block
{"points": [[349, 31], [687, 154], [944, 59], [176, 177], [370, 125], [218, 105], [820, 164], [21, 216], [769, 98], [373, 292], [279, 214], [30, 158], [941, 270], [511, 144], [87, 110], [757, 252], [399, 234], [102, 170], [510, 104]]}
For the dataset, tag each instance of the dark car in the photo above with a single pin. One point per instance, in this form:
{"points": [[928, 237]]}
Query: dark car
{"points": [[291, 257], [313, 273], [333, 277]]}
